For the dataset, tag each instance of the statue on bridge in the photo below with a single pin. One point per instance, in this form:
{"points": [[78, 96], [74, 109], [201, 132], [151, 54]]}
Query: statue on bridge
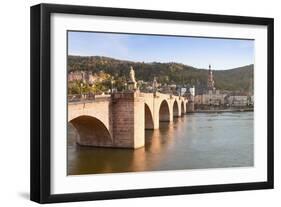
{"points": [[132, 84]]}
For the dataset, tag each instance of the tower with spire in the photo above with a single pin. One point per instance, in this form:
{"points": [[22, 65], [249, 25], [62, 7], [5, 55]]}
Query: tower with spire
{"points": [[211, 82]]}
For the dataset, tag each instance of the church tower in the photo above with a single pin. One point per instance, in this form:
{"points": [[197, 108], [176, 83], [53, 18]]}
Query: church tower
{"points": [[211, 82]]}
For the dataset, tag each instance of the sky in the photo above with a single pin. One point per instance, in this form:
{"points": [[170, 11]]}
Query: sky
{"points": [[222, 54]]}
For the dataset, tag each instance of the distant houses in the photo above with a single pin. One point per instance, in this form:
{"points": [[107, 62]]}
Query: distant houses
{"points": [[198, 96], [216, 98]]}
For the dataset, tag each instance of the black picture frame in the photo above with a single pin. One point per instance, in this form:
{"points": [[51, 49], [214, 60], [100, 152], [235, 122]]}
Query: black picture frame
{"points": [[41, 97]]}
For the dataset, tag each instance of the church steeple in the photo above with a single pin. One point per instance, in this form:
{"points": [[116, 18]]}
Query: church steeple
{"points": [[211, 82]]}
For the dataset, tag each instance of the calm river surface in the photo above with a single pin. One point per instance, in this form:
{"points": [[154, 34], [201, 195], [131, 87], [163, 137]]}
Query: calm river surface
{"points": [[194, 141]]}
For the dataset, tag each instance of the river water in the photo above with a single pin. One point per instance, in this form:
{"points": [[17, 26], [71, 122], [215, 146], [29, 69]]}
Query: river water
{"points": [[194, 141]]}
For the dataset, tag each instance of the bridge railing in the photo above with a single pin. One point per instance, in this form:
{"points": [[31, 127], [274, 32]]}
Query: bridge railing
{"points": [[94, 97], [86, 97]]}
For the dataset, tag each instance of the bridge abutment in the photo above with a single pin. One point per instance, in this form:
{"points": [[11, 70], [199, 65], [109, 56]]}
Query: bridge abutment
{"points": [[190, 107]]}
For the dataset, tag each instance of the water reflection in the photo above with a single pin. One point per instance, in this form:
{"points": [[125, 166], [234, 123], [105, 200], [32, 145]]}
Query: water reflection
{"points": [[191, 142]]}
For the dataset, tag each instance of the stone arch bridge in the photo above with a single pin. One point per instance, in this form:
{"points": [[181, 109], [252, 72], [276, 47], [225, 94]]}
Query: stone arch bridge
{"points": [[119, 120]]}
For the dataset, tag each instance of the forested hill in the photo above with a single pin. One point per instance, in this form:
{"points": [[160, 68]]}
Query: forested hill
{"points": [[234, 79]]}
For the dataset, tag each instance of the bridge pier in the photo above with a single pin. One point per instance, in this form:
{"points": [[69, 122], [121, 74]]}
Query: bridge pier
{"points": [[128, 120]]}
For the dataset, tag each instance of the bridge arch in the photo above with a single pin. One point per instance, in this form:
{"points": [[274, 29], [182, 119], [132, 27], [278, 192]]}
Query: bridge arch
{"points": [[91, 131], [182, 107], [176, 109], [164, 111], [148, 118]]}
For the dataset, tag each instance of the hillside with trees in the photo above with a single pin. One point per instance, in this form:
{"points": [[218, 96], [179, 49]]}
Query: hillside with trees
{"points": [[237, 79]]}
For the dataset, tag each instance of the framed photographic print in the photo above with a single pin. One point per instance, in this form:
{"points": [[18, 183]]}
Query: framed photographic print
{"points": [[133, 103]]}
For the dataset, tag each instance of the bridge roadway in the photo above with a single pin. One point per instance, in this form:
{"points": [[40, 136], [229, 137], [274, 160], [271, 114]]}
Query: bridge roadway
{"points": [[119, 120]]}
